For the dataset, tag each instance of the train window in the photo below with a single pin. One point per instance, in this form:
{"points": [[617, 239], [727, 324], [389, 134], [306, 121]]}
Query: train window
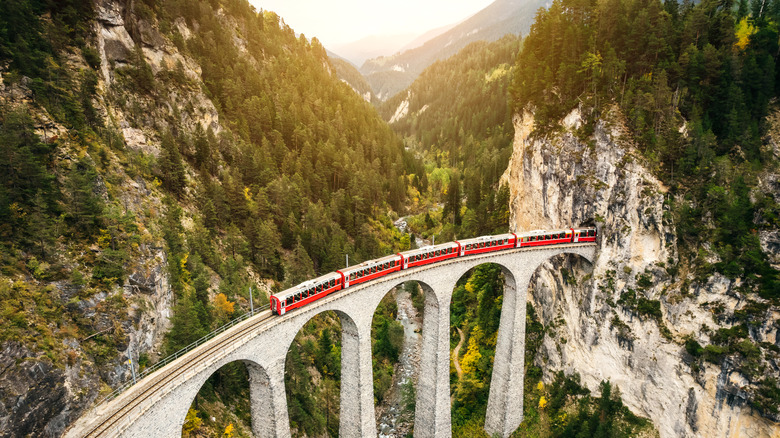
{"points": [[289, 300], [319, 288], [298, 296], [592, 233], [333, 282]]}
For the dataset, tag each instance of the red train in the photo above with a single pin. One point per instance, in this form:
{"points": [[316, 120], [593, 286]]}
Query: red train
{"points": [[312, 290]]}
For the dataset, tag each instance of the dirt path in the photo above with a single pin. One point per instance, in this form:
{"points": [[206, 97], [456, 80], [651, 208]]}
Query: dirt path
{"points": [[456, 352]]}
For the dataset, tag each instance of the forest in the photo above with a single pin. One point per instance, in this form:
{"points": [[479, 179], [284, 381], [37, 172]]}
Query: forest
{"points": [[695, 82]]}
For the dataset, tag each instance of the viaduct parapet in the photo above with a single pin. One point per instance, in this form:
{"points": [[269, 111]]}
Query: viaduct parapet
{"points": [[158, 404]]}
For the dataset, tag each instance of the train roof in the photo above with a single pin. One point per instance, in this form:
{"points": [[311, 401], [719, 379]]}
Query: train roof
{"points": [[487, 238], [369, 263], [307, 284], [540, 232], [429, 248]]}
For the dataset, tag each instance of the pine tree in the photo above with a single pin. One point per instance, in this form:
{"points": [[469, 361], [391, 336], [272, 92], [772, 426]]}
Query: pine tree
{"points": [[171, 166]]}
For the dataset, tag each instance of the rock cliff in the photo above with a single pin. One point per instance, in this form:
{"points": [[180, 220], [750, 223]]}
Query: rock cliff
{"points": [[627, 317]]}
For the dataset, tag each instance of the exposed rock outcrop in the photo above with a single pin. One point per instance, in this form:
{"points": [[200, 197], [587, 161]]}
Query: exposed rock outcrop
{"points": [[596, 328]]}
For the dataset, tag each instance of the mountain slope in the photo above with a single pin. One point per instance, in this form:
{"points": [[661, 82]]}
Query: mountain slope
{"points": [[390, 74], [455, 116], [160, 160], [351, 76]]}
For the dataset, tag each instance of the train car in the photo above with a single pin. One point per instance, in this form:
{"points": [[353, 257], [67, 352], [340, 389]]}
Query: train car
{"points": [[371, 269], [483, 244], [544, 237], [430, 254], [305, 293], [584, 235]]}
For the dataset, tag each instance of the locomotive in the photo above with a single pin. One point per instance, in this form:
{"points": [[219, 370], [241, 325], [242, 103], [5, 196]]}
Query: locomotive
{"points": [[320, 287]]}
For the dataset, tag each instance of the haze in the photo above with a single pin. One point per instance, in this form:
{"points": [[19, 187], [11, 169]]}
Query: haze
{"points": [[343, 21]]}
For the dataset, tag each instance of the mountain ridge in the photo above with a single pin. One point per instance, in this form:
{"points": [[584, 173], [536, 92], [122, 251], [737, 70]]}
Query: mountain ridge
{"points": [[390, 74]]}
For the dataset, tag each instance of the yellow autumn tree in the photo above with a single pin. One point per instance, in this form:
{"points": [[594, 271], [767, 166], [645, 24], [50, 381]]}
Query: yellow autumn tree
{"points": [[191, 423], [223, 306], [743, 33], [228, 431], [472, 356], [542, 402]]}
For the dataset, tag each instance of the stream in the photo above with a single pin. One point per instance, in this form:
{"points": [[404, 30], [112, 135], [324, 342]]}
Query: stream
{"points": [[392, 422]]}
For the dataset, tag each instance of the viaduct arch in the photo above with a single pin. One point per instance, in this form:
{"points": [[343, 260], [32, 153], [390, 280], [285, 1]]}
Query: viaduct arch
{"points": [[158, 404]]}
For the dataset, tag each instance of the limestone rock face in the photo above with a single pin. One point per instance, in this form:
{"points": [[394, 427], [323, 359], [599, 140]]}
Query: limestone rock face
{"points": [[560, 180]]}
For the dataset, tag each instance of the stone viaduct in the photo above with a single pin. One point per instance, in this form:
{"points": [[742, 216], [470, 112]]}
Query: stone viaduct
{"points": [[158, 404]]}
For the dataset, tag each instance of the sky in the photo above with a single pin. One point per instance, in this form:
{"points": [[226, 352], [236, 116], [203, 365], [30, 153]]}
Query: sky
{"points": [[336, 22]]}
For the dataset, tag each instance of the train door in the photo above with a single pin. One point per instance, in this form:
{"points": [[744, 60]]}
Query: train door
{"points": [[576, 236]]}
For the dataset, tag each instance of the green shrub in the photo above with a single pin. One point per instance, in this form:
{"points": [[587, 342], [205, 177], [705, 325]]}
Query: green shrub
{"points": [[693, 347], [714, 353]]}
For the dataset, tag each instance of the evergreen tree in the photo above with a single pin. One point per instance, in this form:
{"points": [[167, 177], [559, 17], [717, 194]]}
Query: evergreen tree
{"points": [[172, 170]]}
